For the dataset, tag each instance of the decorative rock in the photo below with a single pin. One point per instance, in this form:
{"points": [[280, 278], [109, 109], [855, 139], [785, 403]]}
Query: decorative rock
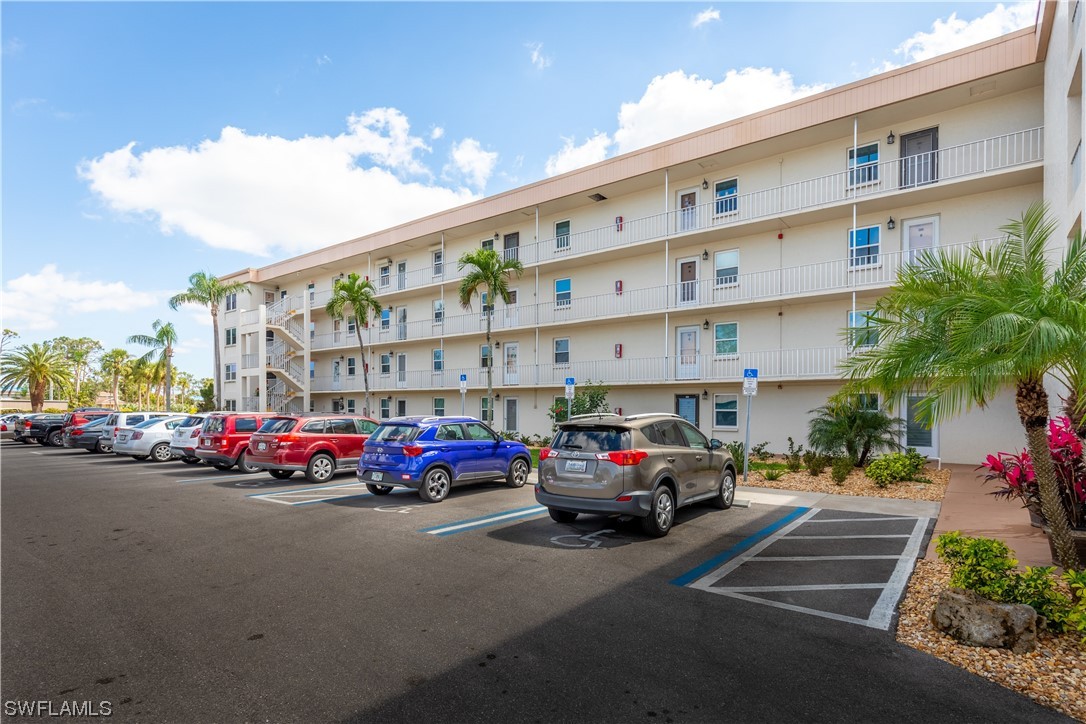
{"points": [[976, 621]]}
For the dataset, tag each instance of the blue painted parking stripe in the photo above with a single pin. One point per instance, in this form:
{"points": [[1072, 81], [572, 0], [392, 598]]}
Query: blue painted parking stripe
{"points": [[484, 521], [696, 573]]}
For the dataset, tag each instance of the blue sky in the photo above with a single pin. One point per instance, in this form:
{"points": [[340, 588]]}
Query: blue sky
{"points": [[145, 141]]}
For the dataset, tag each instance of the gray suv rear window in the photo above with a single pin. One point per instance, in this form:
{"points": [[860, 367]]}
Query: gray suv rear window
{"points": [[592, 439]]}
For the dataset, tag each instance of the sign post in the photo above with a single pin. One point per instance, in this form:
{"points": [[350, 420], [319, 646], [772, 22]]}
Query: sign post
{"points": [[571, 385], [463, 393], [750, 389]]}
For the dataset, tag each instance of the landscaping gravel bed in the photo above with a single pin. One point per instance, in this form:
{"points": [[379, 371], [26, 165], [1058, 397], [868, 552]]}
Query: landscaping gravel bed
{"points": [[858, 484], [1054, 675]]}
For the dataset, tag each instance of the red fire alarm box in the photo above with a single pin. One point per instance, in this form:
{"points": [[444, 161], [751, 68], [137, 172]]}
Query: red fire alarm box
{"points": [[618, 223], [618, 351], [618, 410], [618, 286]]}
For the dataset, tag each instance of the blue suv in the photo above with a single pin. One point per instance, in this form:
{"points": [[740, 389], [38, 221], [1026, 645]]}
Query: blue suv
{"points": [[432, 454]]}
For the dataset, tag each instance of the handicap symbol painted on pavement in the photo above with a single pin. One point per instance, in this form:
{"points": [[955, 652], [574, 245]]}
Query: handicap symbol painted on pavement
{"points": [[588, 540], [397, 508]]}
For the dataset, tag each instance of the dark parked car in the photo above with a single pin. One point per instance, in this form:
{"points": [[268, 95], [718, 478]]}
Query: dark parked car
{"points": [[224, 439], [318, 444], [45, 428], [81, 415], [433, 454], [641, 466], [87, 435]]}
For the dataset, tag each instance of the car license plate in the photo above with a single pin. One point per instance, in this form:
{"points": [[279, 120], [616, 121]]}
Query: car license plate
{"points": [[122, 438], [206, 441], [377, 476], [262, 446], [575, 466]]}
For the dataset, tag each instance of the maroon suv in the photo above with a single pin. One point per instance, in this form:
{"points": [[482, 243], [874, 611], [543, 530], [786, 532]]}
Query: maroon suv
{"points": [[224, 439], [320, 444]]}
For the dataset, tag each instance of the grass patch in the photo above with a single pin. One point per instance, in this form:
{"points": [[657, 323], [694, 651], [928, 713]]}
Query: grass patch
{"points": [[768, 466]]}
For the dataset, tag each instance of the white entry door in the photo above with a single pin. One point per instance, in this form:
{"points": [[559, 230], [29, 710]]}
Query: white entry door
{"points": [[401, 370], [336, 368], [688, 209], [687, 350], [925, 440], [918, 235], [511, 375], [512, 317], [686, 272]]}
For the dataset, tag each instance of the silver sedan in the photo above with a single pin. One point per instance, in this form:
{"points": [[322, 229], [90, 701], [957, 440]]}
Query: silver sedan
{"points": [[149, 439]]}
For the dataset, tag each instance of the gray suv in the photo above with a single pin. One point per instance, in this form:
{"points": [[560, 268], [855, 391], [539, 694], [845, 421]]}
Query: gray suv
{"points": [[640, 466]]}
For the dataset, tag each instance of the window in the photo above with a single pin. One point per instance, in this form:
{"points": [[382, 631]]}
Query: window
{"points": [[312, 331], [384, 275], [487, 244], [484, 409], [478, 431], [386, 406], [231, 302], [312, 405], [231, 372], [401, 408], [230, 405], [487, 306], [386, 365], [726, 339], [726, 412], [863, 164], [727, 196], [863, 246], [352, 327], [439, 311], [386, 319], [561, 235], [439, 406], [561, 351], [231, 336], [868, 402], [312, 370], [312, 289], [694, 438], [511, 245], [352, 368], [350, 406], [439, 360], [563, 292], [449, 432], [727, 267], [438, 262], [484, 356], [862, 333]]}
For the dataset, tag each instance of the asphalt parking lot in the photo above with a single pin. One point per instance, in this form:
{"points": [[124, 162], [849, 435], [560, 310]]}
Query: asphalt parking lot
{"points": [[181, 593]]}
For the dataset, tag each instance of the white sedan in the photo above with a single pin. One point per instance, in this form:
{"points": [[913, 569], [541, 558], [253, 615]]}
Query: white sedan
{"points": [[149, 439]]}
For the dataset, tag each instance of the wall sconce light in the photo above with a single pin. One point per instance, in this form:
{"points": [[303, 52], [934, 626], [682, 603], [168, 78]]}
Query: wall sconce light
{"points": [[705, 255], [890, 139], [497, 396], [705, 324], [704, 184], [496, 236], [705, 394], [891, 224], [497, 344]]}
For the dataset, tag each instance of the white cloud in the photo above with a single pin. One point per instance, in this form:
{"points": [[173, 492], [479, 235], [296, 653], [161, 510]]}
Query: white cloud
{"points": [[469, 160], [13, 46], [190, 345], [706, 16], [954, 33], [267, 194], [539, 60], [436, 132], [324, 60], [677, 103], [42, 300], [572, 156], [24, 104], [198, 314]]}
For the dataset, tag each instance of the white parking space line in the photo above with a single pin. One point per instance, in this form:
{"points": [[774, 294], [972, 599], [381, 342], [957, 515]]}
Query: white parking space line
{"points": [[210, 478], [883, 612]]}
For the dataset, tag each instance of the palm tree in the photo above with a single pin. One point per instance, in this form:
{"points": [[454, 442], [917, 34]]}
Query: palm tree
{"points": [[206, 290], [842, 426], [964, 326], [358, 296], [185, 382], [488, 275], [163, 340], [113, 364], [33, 366]]}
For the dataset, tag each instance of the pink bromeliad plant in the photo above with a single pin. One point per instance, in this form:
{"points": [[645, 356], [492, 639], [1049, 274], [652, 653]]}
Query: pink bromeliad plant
{"points": [[1015, 472]]}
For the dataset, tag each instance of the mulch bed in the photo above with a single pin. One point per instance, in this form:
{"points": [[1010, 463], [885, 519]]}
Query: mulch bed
{"points": [[858, 484]]}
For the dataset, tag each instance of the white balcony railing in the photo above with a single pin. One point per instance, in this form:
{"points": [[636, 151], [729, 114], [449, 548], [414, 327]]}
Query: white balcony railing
{"points": [[249, 361], [250, 316], [975, 158], [250, 404]]}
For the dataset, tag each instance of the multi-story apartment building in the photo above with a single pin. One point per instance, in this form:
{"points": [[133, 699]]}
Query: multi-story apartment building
{"points": [[666, 272]]}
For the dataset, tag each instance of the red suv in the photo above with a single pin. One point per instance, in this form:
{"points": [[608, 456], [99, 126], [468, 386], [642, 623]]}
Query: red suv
{"points": [[224, 439], [319, 444]]}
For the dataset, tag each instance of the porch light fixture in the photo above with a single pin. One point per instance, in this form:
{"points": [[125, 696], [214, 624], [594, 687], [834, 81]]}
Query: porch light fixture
{"points": [[705, 255], [705, 324], [497, 396], [891, 224], [496, 236], [705, 184], [890, 139], [705, 394]]}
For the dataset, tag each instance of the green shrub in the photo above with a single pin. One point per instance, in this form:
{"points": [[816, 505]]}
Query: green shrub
{"points": [[793, 460], [841, 427], [892, 468], [773, 474], [840, 468], [814, 462], [761, 451], [736, 449]]}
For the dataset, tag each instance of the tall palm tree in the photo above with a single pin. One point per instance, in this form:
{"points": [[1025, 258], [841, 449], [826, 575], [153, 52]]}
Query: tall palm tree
{"points": [[964, 326], [185, 382], [206, 290], [488, 275], [162, 342], [355, 297], [113, 364], [35, 366]]}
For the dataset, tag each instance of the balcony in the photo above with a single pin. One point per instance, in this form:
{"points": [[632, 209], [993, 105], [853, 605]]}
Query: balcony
{"points": [[974, 159], [821, 363], [250, 361]]}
